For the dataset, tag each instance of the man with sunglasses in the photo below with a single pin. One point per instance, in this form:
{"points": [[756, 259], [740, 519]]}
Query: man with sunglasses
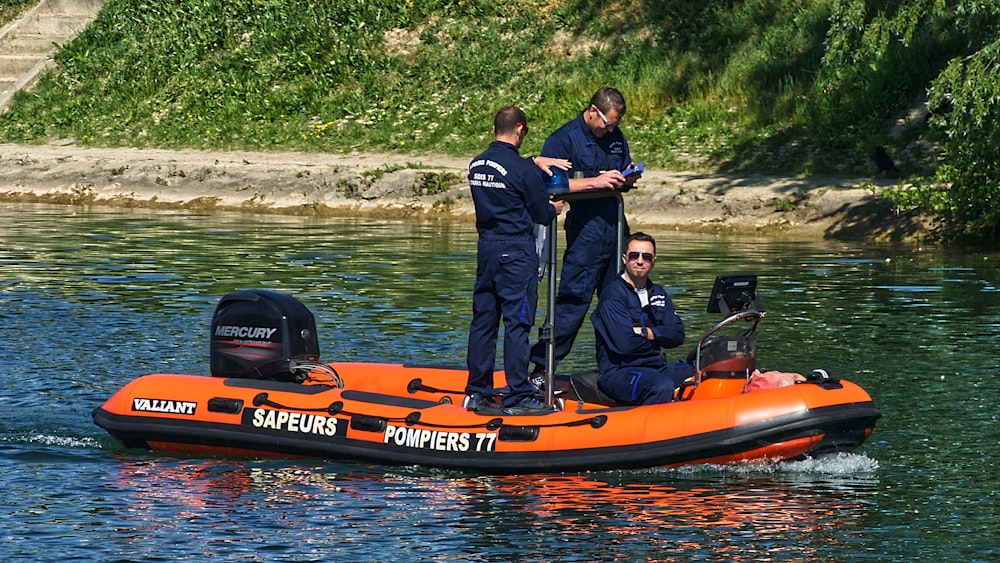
{"points": [[633, 321], [595, 145], [510, 196]]}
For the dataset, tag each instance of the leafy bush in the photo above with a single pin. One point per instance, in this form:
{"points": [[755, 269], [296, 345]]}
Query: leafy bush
{"points": [[964, 100]]}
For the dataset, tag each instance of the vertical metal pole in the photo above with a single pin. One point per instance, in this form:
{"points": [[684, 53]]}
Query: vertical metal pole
{"points": [[616, 258], [550, 346]]}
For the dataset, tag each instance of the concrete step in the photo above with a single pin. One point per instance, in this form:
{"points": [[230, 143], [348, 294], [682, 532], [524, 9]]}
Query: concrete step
{"points": [[17, 65], [52, 24], [26, 44], [72, 7], [32, 44]]}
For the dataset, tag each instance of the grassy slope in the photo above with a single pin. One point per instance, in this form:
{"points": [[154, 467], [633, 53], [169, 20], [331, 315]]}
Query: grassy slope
{"points": [[12, 9], [737, 85]]}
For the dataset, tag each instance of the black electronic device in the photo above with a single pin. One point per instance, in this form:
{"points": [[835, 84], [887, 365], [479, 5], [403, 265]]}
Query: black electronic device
{"points": [[733, 293]]}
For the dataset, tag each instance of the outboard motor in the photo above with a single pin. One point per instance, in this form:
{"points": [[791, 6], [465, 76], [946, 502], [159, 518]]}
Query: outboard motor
{"points": [[261, 334]]}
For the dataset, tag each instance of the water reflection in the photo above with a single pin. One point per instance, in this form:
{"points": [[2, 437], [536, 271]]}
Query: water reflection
{"points": [[736, 513], [667, 519]]}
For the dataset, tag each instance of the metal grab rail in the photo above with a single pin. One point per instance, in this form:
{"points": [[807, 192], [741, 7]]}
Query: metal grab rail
{"points": [[757, 317]]}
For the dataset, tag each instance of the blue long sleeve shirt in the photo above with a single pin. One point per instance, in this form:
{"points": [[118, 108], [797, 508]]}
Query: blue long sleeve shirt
{"points": [[590, 156], [618, 311], [509, 193]]}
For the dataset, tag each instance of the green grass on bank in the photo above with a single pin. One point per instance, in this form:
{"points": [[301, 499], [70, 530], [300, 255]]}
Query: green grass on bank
{"points": [[10, 10], [734, 85]]}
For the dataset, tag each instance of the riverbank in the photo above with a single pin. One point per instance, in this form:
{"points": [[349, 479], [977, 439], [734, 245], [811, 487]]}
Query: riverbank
{"points": [[423, 187]]}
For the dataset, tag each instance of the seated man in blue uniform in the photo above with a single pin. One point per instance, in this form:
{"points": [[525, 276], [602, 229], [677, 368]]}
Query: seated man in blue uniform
{"points": [[510, 196], [633, 321], [596, 146]]}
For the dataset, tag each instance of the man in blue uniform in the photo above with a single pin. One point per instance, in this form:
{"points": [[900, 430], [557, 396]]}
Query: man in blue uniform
{"points": [[595, 145], [634, 319], [510, 196]]}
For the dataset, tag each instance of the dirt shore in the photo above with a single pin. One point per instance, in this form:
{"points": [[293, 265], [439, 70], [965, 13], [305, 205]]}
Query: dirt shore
{"points": [[423, 187]]}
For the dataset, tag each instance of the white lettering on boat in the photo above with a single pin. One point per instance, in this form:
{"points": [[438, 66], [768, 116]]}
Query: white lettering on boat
{"points": [[296, 422], [440, 441], [163, 405], [245, 332]]}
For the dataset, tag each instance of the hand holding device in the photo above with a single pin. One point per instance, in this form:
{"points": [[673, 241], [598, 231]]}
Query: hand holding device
{"points": [[638, 168]]}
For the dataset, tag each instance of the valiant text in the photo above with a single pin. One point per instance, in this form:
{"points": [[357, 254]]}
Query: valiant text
{"points": [[163, 405]]}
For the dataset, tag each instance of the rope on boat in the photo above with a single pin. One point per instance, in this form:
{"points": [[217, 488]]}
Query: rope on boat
{"points": [[319, 374]]}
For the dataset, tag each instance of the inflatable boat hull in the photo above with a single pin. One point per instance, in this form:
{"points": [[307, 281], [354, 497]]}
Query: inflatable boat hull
{"points": [[411, 415]]}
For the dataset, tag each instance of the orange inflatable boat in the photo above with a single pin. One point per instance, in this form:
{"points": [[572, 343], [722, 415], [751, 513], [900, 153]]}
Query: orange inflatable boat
{"points": [[270, 395]]}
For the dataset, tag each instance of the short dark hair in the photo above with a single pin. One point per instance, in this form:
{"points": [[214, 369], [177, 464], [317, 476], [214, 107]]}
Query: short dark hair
{"points": [[507, 118], [607, 99], [643, 237]]}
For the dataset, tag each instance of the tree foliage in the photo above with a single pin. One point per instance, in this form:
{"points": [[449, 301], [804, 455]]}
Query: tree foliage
{"points": [[963, 98]]}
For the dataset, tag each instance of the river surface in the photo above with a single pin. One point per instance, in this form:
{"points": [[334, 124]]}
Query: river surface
{"points": [[90, 299]]}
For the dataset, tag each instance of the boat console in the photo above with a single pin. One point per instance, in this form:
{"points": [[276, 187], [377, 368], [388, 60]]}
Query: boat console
{"points": [[724, 356]]}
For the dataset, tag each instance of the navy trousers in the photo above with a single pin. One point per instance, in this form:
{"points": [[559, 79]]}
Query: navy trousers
{"points": [[644, 385], [586, 267], [506, 289]]}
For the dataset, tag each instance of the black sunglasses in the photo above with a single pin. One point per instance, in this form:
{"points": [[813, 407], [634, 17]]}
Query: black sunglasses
{"points": [[647, 256]]}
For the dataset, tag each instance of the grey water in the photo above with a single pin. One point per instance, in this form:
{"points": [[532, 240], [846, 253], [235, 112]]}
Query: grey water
{"points": [[91, 298]]}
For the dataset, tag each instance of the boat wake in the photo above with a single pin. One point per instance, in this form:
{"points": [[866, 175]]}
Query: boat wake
{"points": [[847, 464], [834, 465], [61, 441]]}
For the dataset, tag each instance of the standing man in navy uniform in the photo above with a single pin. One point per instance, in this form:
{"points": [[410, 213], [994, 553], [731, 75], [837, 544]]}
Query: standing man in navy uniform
{"points": [[510, 195], [595, 145]]}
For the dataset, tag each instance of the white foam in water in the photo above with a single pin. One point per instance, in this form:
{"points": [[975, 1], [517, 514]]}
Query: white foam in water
{"points": [[836, 464], [842, 464], [64, 441]]}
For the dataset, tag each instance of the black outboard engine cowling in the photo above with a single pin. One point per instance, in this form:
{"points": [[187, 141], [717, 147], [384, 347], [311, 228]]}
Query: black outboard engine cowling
{"points": [[261, 334]]}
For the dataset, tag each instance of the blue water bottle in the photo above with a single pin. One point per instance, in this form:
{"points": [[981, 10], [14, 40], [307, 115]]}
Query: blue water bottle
{"points": [[558, 182]]}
